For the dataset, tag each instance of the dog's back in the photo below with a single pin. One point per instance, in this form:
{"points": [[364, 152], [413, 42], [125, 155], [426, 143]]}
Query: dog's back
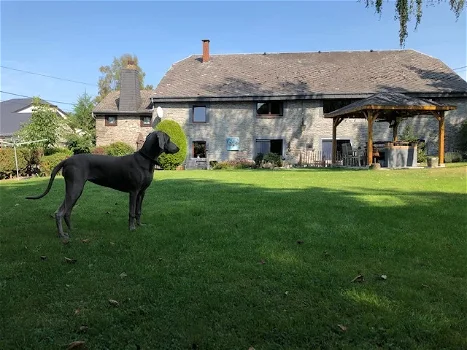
{"points": [[120, 173]]}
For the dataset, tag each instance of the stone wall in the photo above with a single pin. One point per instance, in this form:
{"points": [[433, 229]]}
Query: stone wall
{"points": [[239, 120], [127, 130]]}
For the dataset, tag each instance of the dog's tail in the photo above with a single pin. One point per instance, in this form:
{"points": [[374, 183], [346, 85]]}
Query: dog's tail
{"points": [[52, 177]]}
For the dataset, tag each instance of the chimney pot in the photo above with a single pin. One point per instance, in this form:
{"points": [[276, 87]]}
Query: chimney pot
{"points": [[131, 64], [205, 50]]}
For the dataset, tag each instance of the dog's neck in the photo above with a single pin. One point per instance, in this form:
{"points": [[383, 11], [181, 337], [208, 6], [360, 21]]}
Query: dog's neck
{"points": [[152, 160]]}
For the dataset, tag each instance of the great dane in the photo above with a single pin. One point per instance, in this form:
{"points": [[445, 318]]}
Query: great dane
{"points": [[132, 173]]}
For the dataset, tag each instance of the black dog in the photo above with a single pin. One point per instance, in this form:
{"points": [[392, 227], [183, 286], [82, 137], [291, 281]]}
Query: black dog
{"points": [[132, 173]]}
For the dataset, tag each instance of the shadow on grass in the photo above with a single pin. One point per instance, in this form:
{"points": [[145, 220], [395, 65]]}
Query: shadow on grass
{"points": [[230, 265]]}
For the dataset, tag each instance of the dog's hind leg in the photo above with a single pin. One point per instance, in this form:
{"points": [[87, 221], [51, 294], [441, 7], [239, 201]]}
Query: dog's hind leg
{"points": [[73, 192]]}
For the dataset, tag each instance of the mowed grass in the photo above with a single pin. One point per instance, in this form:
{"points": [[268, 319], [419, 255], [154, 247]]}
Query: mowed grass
{"points": [[239, 259]]}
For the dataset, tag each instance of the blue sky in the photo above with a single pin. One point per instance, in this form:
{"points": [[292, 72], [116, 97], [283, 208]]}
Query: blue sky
{"points": [[72, 39]]}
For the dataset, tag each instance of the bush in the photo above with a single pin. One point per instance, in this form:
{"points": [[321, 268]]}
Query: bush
{"points": [[272, 158], [47, 163], [99, 150], [258, 159], [235, 164], [119, 149], [79, 144], [421, 152], [52, 150], [462, 138], [28, 161], [452, 157], [7, 162], [177, 136]]}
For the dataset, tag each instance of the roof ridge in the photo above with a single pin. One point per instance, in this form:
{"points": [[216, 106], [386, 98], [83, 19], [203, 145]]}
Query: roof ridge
{"points": [[301, 52]]}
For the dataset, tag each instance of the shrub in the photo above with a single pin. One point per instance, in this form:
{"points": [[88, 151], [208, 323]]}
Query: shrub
{"points": [[28, 160], [177, 136], [52, 150], [235, 164], [421, 152], [79, 144], [119, 149], [273, 158], [7, 162], [452, 157], [258, 159], [99, 150], [47, 163]]}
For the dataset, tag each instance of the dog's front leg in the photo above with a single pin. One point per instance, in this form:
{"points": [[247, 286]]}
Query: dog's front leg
{"points": [[132, 212], [139, 204]]}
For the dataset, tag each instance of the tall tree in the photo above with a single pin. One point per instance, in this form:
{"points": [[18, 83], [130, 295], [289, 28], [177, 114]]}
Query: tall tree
{"points": [[110, 78], [44, 123], [81, 118], [83, 126], [405, 9]]}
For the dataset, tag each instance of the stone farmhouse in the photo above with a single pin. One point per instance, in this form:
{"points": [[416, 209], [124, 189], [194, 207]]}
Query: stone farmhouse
{"points": [[237, 105]]}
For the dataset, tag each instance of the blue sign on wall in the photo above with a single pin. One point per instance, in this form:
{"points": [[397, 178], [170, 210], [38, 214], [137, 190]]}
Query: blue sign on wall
{"points": [[233, 143]]}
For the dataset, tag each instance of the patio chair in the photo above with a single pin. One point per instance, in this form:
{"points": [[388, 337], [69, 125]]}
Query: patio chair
{"points": [[349, 156]]}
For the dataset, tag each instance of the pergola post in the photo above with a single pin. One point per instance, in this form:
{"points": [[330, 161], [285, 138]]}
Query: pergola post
{"points": [[335, 123], [441, 127], [370, 117]]}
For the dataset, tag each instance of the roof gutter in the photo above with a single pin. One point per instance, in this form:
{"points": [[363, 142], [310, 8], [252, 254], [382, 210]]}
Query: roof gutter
{"points": [[94, 113], [317, 96]]}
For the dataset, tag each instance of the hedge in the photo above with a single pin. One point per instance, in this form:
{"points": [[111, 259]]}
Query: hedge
{"points": [[177, 136], [47, 163]]}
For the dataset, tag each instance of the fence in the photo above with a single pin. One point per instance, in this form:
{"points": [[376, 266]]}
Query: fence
{"points": [[316, 159]]}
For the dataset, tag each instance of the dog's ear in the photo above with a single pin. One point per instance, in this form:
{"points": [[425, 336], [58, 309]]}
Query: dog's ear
{"points": [[162, 136]]}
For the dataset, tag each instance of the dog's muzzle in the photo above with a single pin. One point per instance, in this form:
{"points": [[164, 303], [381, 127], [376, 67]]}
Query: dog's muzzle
{"points": [[171, 148]]}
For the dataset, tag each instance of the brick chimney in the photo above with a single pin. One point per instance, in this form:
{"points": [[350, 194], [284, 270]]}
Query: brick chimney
{"points": [[205, 50], [130, 94]]}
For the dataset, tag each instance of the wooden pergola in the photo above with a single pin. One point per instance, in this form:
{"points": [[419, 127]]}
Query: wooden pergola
{"points": [[390, 107]]}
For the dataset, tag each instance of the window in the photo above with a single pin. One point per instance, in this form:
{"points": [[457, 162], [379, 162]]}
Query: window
{"points": [[266, 146], [145, 120], [199, 114], [110, 120], [273, 108], [199, 149]]}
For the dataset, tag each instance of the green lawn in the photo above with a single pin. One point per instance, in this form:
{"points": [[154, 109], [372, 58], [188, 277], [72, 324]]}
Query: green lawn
{"points": [[240, 259]]}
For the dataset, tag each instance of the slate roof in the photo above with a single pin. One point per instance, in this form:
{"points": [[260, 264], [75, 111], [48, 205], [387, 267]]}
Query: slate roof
{"points": [[314, 74], [110, 103], [10, 120], [389, 101]]}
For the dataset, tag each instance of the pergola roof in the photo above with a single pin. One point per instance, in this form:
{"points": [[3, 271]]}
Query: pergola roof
{"points": [[388, 101], [389, 106]]}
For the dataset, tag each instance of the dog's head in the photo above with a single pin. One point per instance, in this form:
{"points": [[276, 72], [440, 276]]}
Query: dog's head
{"points": [[156, 143]]}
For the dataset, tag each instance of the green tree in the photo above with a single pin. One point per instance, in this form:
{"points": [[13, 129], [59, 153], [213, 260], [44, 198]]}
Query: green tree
{"points": [[177, 136], [110, 78], [44, 123], [405, 9], [81, 118], [83, 126]]}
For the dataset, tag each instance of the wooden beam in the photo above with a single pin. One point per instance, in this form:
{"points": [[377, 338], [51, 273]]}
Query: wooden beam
{"points": [[441, 137], [335, 123], [370, 117]]}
